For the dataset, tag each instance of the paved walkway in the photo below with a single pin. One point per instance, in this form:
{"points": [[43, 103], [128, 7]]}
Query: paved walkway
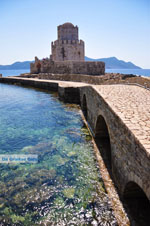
{"points": [[61, 83], [132, 105]]}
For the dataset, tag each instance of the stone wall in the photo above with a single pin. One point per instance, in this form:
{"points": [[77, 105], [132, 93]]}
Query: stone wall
{"points": [[69, 77], [63, 50], [53, 86], [97, 80], [69, 67]]}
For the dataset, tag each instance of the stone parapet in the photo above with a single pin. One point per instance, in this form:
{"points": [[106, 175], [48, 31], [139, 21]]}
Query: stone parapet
{"points": [[57, 42]]}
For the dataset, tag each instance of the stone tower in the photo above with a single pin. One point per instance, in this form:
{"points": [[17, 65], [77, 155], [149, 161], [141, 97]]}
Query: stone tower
{"points": [[67, 56], [67, 47]]}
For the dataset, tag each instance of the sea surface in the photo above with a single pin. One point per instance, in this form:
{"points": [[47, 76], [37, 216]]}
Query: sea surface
{"points": [[142, 72], [65, 186], [6, 73]]}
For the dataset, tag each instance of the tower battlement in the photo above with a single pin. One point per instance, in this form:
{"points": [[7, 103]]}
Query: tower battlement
{"points": [[57, 42]]}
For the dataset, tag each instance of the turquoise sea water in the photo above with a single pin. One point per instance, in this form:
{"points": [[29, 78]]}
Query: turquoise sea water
{"points": [[142, 72], [65, 186]]}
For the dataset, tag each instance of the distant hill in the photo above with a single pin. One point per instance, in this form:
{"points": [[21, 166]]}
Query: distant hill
{"points": [[111, 63], [16, 65], [114, 63]]}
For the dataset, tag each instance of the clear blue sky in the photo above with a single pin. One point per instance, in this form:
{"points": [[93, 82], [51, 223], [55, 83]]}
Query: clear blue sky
{"points": [[119, 28]]}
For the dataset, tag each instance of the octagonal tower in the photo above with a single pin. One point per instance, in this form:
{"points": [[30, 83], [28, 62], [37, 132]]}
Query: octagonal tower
{"points": [[67, 47]]}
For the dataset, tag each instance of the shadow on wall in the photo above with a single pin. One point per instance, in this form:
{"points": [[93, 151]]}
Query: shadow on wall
{"points": [[137, 204], [102, 140], [84, 107]]}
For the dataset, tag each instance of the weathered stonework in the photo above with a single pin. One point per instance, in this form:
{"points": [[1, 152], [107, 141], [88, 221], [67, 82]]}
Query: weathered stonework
{"points": [[67, 56], [63, 50], [69, 67], [68, 46], [67, 31]]}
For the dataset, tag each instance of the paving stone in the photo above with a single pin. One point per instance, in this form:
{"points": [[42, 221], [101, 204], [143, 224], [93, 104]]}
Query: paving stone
{"points": [[132, 104]]}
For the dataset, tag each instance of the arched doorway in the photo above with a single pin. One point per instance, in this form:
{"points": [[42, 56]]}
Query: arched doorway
{"points": [[84, 107], [137, 204], [103, 141]]}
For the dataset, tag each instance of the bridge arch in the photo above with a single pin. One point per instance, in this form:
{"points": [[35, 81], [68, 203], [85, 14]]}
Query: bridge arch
{"points": [[84, 106], [137, 203], [102, 139], [101, 129]]}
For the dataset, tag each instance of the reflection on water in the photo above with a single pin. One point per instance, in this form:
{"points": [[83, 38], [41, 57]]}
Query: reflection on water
{"points": [[65, 187]]}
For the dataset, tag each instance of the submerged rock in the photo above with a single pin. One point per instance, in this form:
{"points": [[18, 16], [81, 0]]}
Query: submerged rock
{"points": [[34, 196], [85, 131], [59, 202], [69, 193], [59, 161], [71, 153], [27, 148]]}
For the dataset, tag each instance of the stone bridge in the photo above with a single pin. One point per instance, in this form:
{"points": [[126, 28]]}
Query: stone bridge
{"points": [[119, 116]]}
